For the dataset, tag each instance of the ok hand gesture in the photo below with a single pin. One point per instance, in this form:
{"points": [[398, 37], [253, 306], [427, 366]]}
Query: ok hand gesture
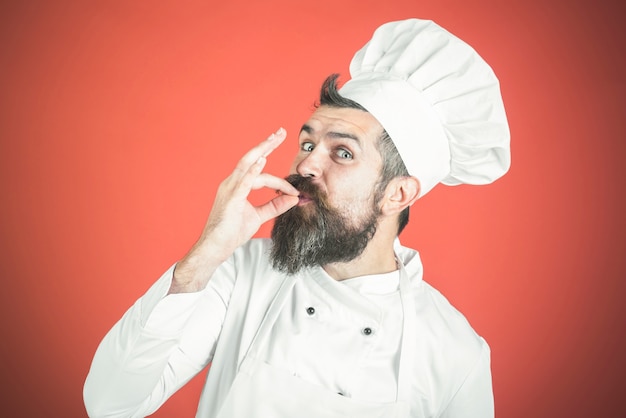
{"points": [[233, 219]]}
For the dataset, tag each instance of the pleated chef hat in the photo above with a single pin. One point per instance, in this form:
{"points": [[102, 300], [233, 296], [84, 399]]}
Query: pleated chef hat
{"points": [[438, 100]]}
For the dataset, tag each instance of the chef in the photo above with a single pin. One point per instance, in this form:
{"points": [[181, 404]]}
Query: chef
{"points": [[330, 317]]}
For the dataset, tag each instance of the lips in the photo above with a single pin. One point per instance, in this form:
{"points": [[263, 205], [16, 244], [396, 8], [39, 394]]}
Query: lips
{"points": [[304, 199], [309, 192]]}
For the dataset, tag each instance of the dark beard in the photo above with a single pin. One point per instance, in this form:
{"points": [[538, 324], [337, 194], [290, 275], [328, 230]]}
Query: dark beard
{"points": [[306, 237]]}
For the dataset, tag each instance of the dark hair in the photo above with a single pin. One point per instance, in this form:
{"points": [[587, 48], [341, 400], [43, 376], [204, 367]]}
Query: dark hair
{"points": [[393, 166]]}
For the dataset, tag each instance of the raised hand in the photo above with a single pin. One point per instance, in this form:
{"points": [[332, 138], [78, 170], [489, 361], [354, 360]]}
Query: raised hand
{"points": [[233, 219]]}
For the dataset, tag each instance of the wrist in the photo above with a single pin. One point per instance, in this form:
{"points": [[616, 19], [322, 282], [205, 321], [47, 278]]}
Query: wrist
{"points": [[193, 271]]}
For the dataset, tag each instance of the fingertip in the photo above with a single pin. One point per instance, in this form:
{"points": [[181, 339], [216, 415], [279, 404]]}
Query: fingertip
{"points": [[279, 134], [291, 191], [294, 200], [285, 202]]}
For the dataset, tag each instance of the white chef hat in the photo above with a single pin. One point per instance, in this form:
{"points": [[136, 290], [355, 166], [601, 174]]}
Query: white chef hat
{"points": [[438, 100]]}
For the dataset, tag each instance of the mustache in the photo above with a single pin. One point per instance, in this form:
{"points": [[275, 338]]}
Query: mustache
{"points": [[306, 186]]}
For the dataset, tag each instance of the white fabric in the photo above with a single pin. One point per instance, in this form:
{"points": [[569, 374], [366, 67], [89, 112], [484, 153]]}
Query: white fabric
{"points": [[262, 389], [438, 100], [299, 341], [161, 342]]}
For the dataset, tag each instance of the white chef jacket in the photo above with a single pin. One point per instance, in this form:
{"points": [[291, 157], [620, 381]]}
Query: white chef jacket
{"points": [[344, 336]]}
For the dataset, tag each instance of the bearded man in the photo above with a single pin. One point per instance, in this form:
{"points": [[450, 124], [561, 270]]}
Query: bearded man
{"points": [[331, 317]]}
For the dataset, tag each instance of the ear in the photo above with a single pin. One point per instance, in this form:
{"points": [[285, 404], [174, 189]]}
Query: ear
{"points": [[401, 192]]}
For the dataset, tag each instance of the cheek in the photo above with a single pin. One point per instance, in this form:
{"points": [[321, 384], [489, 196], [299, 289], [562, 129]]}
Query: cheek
{"points": [[353, 196]]}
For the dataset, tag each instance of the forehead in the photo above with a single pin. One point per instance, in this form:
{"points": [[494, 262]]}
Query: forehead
{"points": [[355, 122]]}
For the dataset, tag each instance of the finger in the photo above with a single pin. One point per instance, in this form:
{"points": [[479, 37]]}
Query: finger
{"points": [[245, 184], [263, 149], [272, 182], [276, 207]]}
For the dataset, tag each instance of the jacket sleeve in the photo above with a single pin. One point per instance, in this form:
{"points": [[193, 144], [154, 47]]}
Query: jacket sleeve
{"points": [[474, 397], [159, 344]]}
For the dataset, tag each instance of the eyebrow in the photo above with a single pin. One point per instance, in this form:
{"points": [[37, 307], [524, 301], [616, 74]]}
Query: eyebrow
{"points": [[332, 134]]}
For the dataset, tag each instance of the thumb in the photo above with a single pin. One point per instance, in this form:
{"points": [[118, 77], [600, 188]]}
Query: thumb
{"points": [[276, 207]]}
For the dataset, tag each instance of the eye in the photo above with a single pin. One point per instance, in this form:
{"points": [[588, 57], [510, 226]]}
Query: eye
{"points": [[344, 154], [307, 146]]}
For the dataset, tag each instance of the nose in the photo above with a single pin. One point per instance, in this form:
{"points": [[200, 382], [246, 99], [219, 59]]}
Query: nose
{"points": [[310, 165]]}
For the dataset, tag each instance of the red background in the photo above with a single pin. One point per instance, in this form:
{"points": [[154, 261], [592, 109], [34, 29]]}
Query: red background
{"points": [[118, 120]]}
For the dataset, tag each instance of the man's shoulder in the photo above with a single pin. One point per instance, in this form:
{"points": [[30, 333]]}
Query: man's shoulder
{"points": [[448, 330], [448, 347], [432, 307]]}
